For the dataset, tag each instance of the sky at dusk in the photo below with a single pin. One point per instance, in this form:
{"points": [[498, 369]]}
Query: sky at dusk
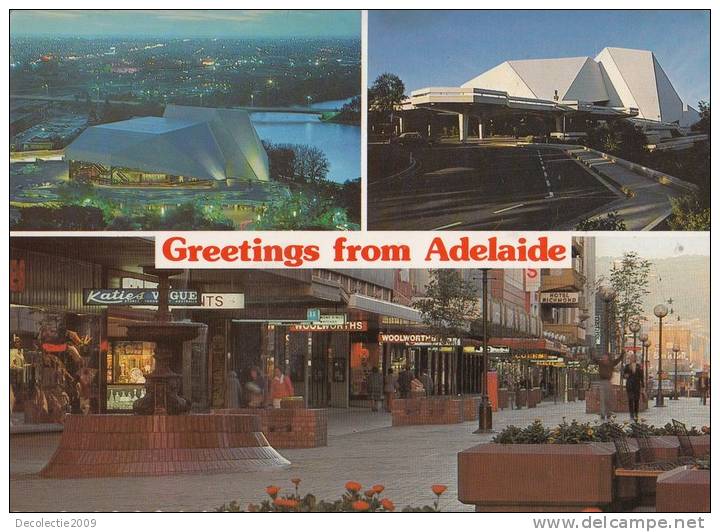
{"points": [[448, 48], [187, 23]]}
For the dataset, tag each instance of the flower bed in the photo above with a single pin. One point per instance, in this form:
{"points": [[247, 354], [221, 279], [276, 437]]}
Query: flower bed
{"points": [[354, 499]]}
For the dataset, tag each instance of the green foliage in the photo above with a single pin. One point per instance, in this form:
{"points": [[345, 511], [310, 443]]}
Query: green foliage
{"points": [[689, 213], [630, 281], [610, 222], [576, 432], [450, 302], [65, 218], [703, 126], [386, 93], [298, 211]]}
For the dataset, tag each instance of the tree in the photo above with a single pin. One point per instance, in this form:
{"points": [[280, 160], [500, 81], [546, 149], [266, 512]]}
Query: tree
{"points": [[703, 126], [689, 213], [629, 279], [610, 222], [386, 93], [450, 302], [311, 164]]}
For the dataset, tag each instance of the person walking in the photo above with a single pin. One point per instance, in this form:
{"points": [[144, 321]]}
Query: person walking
{"points": [[389, 388], [280, 388], [634, 385], [404, 380], [606, 367], [427, 383], [254, 388], [375, 388], [232, 390], [703, 384]]}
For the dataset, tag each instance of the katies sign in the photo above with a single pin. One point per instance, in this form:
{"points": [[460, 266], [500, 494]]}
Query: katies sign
{"points": [[138, 296]]}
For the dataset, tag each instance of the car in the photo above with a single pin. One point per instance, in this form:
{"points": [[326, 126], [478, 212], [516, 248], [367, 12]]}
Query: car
{"points": [[411, 138]]}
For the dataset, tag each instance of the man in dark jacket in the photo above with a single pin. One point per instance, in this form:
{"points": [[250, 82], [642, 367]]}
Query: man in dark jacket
{"points": [[404, 379], [634, 383], [375, 388]]}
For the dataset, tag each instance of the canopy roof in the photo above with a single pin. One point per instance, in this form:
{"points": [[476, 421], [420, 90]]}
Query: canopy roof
{"points": [[186, 141]]}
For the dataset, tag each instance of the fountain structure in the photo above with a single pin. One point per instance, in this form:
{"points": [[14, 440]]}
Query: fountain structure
{"points": [[162, 437]]}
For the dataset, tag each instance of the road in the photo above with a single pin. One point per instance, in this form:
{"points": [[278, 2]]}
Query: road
{"points": [[487, 188], [495, 187], [362, 446]]}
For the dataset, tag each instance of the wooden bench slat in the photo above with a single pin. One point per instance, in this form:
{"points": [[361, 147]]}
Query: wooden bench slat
{"points": [[639, 473]]}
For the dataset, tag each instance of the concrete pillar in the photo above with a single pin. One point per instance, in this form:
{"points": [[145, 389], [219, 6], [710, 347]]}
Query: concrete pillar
{"points": [[402, 124], [463, 123], [480, 129], [559, 123]]}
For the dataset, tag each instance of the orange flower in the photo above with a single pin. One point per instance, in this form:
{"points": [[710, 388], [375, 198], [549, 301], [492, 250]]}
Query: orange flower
{"points": [[353, 486], [438, 489], [360, 506], [272, 491], [286, 503], [388, 505], [295, 481], [378, 488], [591, 509], [369, 494]]}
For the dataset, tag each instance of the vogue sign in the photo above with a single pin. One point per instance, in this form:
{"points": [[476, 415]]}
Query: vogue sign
{"points": [[138, 296]]}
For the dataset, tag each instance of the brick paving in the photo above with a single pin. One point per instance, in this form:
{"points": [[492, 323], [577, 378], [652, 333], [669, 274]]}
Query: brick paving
{"points": [[362, 446]]}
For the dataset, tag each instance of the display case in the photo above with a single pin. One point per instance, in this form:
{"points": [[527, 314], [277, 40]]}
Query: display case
{"points": [[128, 363]]}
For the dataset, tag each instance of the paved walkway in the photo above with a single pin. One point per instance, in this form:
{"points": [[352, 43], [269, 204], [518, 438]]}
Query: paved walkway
{"points": [[651, 202], [362, 446]]}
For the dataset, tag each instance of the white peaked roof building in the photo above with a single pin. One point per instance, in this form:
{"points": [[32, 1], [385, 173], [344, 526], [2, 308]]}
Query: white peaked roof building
{"points": [[616, 78], [198, 142]]}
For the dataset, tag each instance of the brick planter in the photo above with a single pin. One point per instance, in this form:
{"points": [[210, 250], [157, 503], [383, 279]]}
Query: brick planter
{"points": [[618, 400], [529, 398], [581, 394], [534, 478], [126, 445], [289, 428], [701, 445], [427, 411], [471, 407], [503, 398], [683, 490]]}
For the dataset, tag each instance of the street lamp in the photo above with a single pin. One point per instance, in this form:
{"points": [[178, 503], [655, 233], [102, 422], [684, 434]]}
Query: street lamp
{"points": [[485, 414], [645, 341], [634, 327], [660, 311], [675, 350]]}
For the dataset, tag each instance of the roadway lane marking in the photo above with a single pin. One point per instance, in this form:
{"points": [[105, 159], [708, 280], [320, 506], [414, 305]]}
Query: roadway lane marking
{"points": [[547, 181], [448, 226], [509, 208]]}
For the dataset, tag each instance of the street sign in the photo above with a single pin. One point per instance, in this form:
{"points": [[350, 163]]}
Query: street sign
{"points": [[332, 319], [313, 314], [138, 296]]}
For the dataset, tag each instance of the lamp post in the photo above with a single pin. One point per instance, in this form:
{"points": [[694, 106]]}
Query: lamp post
{"points": [[675, 350], [644, 339], [485, 414], [660, 311], [635, 329]]}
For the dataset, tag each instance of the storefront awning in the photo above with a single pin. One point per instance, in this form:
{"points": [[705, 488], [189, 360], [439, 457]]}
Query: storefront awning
{"points": [[532, 344], [383, 308]]}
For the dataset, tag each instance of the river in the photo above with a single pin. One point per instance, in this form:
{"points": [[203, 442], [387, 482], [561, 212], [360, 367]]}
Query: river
{"points": [[340, 142]]}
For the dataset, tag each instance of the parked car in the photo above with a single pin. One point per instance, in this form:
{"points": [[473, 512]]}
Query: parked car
{"points": [[411, 138]]}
